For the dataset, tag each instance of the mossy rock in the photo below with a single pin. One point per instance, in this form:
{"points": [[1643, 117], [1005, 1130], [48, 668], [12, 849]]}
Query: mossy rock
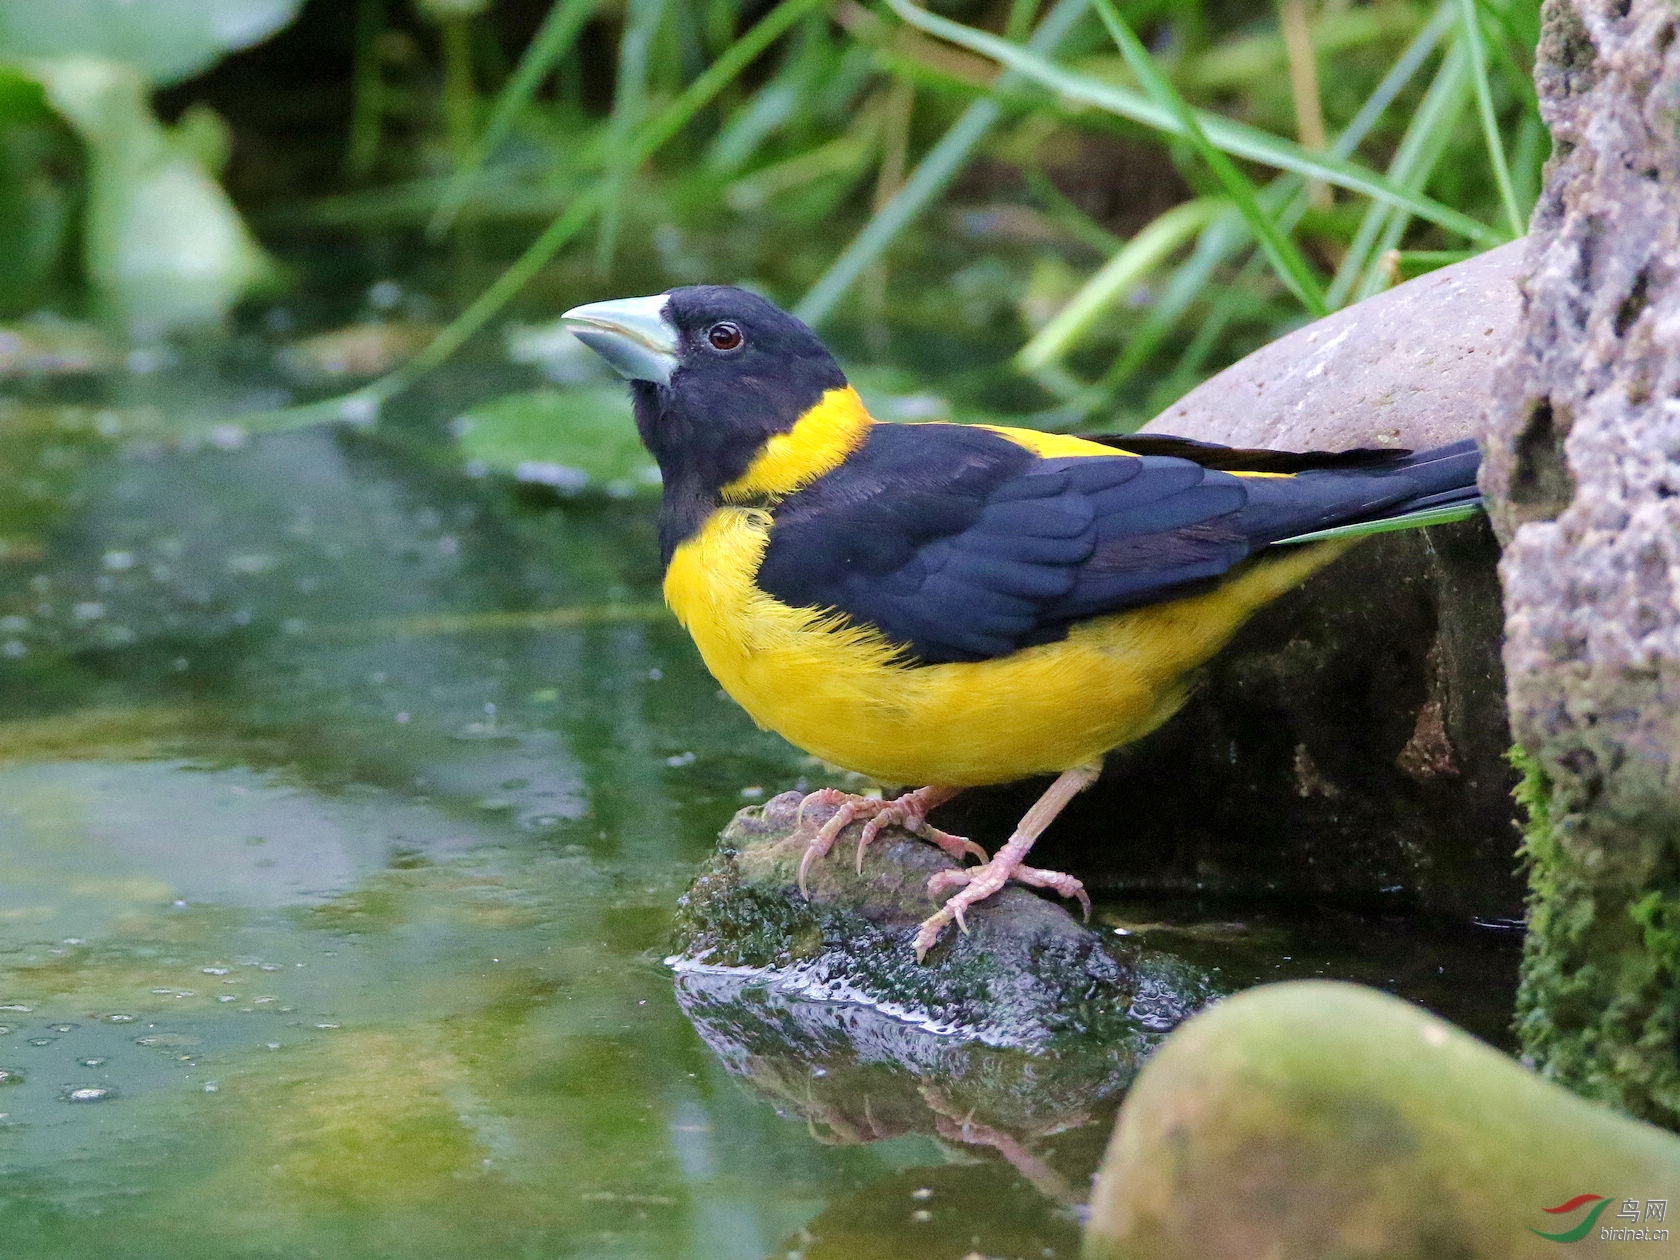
{"points": [[1321, 1120], [1025, 974]]}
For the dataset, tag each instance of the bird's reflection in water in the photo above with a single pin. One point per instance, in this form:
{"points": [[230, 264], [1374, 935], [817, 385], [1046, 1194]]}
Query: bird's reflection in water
{"points": [[855, 1075]]}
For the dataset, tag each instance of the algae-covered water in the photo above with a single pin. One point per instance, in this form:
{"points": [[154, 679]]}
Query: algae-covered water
{"points": [[345, 796]]}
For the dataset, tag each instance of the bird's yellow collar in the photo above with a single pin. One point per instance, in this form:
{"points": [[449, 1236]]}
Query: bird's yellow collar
{"points": [[818, 442]]}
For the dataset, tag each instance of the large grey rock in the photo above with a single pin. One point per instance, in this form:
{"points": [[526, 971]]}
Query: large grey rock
{"points": [[1410, 367], [1584, 476]]}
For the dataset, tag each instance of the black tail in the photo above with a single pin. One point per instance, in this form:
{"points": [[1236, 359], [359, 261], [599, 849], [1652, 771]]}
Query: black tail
{"points": [[1410, 491]]}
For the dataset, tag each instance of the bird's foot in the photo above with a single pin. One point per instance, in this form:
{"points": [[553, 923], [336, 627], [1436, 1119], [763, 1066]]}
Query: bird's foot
{"points": [[979, 882], [909, 811]]}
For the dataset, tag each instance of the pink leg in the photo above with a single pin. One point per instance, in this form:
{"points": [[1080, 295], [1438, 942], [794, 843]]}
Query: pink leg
{"points": [[961, 1128], [908, 811], [980, 882]]}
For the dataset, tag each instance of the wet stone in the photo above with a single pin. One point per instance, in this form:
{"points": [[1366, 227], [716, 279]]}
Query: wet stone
{"points": [[1025, 975]]}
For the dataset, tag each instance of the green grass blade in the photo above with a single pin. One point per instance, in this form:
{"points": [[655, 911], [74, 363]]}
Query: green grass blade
{"points": [[1229, 303], [1411, 165], [1490, 122], [719, 75], [766, 111], [367, 87], [1135, 259], [553, 40], [1068, 216], [1234, 138], [629, 106], [1224, 237], [932, 175], [1412, 520], [1400, 73], [1286, 260], [1432, 148]]}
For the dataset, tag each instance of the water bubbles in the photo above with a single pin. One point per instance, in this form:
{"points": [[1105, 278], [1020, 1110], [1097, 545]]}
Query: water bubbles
{"points": [[98, 1061], [215, 971], [87, 1094], [681, 759], [19, 1007], [42, 1041], [61, 1028], [10, 1076], [118, 1017]]}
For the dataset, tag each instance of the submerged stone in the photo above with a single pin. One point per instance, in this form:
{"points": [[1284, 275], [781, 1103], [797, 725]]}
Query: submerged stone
{"points": [[1325, 1120], [1025, 974]]}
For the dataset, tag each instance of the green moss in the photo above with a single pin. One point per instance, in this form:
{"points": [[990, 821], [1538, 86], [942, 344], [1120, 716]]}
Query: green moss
{"points": [[1026, 975], [1598, 1007]]}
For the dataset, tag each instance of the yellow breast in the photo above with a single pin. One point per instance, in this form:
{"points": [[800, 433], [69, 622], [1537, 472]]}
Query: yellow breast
{"points": [[834, 690]]}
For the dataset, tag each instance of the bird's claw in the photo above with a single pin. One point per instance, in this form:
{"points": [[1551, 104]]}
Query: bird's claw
{"points": [[975, 884], [908, 811], [819, 844]]}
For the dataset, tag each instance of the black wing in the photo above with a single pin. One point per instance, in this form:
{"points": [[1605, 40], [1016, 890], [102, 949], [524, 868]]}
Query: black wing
{"points": [[959, 545]]}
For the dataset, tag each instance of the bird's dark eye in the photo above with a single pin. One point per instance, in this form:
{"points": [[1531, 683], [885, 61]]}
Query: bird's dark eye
{"points": [[724, 337]]}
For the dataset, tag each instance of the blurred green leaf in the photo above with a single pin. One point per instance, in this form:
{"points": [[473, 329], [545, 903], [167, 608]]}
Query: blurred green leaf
{"points": [[40, 193], [163, 246], [576, 441], [165, 40]]}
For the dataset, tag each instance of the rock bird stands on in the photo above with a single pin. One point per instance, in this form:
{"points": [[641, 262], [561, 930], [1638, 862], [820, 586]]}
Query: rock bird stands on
{"points": [[953, 605]]}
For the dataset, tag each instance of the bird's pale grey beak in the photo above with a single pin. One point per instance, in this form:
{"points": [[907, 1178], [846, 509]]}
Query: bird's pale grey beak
{"points": [[632, 334]]}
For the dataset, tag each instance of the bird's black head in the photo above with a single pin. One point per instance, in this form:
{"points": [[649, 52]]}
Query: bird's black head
{"points": [[715, 372]]}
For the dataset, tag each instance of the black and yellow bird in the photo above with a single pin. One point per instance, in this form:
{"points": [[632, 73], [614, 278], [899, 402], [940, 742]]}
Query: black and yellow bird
{"points": [[952, 605]]}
